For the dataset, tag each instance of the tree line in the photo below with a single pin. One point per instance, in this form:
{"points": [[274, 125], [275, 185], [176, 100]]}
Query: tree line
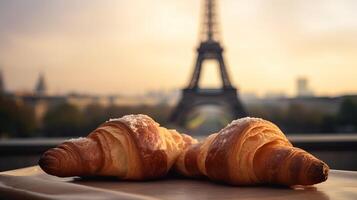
{"points": [[66, 120]]}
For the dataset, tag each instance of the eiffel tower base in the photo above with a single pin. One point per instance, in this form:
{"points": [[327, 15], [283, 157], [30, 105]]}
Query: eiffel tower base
{"points": [[191, 98]]}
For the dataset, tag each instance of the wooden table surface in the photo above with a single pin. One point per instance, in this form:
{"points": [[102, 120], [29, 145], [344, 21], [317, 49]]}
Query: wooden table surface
{"points": [[340, 185]]}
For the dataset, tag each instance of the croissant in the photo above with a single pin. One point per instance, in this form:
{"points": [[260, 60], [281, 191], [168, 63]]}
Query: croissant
{"points": [[251, 151], [133, 147]]}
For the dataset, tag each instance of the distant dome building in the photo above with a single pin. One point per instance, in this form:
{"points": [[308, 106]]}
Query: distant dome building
{"points": [[41, 87]]}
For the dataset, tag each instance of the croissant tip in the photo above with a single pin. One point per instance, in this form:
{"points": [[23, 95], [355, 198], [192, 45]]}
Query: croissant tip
{"points": [[325, 170], [319, 172], [48, 163]]}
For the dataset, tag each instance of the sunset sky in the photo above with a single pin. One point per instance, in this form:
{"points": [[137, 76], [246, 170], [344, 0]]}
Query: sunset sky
{"points": [[122, 46]]}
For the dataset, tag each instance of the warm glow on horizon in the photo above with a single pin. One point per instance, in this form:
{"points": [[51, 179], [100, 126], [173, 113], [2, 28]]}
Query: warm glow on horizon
{"points": [[115, 47]]}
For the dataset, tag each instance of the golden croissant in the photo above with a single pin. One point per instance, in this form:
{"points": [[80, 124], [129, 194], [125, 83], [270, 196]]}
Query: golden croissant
{"points": [[251, 151], [133, 147]]}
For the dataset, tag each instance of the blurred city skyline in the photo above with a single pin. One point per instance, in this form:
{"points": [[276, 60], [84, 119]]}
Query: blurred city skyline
{"points": [[130, 47]]}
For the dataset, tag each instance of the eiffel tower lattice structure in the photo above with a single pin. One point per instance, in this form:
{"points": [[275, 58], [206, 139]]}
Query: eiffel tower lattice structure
{"points": [[209, 49]]}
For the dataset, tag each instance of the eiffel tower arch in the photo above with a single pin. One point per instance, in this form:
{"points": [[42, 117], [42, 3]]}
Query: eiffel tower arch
{"points": [[209, 49]]}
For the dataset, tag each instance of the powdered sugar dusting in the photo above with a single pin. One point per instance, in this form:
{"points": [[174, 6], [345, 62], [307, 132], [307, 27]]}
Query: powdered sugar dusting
{"points": [[75, 139], [243, 120], [135, 121], [236, 122]]}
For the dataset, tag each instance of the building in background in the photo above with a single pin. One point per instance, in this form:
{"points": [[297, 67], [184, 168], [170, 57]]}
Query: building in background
{"points": [[41, 87], [40, 100], [302, 86]]}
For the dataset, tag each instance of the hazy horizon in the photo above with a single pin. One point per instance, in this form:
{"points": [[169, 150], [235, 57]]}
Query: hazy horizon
{"points": [[122, 46]]}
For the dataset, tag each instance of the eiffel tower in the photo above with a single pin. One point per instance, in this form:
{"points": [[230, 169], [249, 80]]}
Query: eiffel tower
{"points": [[209, 49]]}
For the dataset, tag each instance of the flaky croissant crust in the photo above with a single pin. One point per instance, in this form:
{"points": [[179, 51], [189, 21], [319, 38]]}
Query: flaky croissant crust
{"points": [[132, 147], [251, 151]]}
